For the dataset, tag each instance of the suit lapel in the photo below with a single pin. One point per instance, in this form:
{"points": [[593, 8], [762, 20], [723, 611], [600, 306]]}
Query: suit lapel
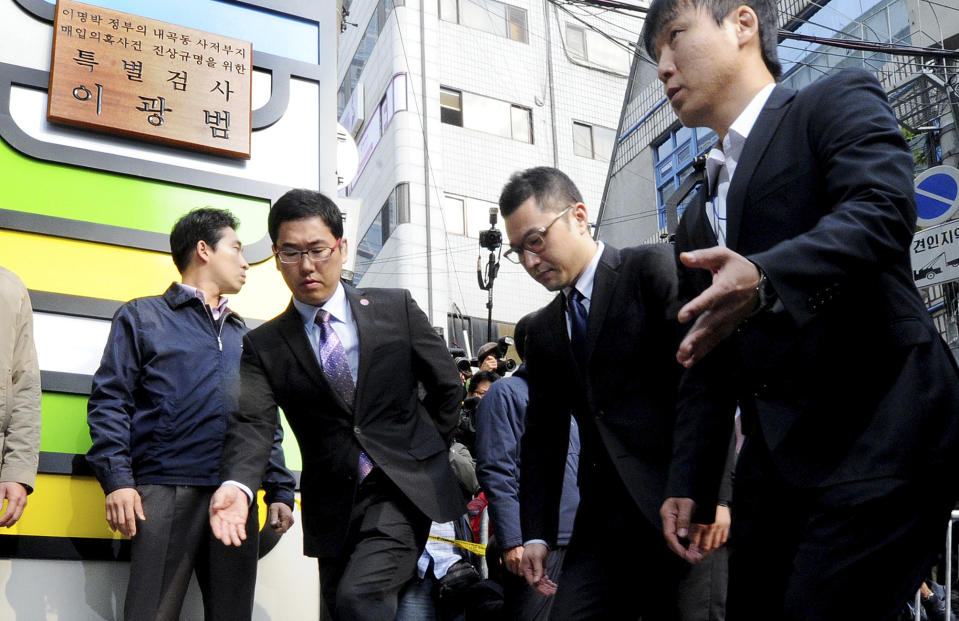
{"points": [[290, 325], [557, 335], [604, 282], [293, 332], [365, 329], [756, 143]]}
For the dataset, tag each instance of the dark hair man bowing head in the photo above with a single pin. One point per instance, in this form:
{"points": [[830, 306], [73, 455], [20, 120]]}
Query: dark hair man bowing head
{"points": [[804, 312], [344, 365], [614, 325]]}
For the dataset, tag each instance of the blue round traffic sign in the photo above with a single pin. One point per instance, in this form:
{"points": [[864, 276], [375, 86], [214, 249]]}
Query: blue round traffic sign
{"points": [[937, 195]]}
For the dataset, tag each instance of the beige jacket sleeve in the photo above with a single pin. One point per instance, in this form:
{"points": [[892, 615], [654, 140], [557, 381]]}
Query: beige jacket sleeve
{"points": [[20, 382]]}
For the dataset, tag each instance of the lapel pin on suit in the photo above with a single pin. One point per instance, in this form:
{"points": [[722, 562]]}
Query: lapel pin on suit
{"points": [[364, 302]]}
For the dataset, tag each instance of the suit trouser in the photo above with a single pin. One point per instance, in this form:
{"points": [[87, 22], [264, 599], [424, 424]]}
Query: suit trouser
{"points": [[851, 551], [174, 541], [702, 591], [617, 564], [386, 536], [523, 602]]}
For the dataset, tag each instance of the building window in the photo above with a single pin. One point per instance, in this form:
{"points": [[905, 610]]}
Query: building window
{"points": [[392, 101], [593, 141], [504, 20], [451, 107], [673, 161], [522, 128], [454, 214], [585, 46], [363, 51], [879, 20], [395, 211], [485, 114]]}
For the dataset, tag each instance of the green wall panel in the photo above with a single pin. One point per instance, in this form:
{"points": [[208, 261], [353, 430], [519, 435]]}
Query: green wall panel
{"points": [[44, 188], [65, 428], [64, 423]]}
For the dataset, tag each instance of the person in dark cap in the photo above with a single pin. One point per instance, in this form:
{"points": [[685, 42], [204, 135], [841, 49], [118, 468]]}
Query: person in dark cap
{"points": [[486, 357]]}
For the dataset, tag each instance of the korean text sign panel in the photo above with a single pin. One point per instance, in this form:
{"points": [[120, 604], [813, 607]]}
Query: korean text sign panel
{"points": [[151, 80]]}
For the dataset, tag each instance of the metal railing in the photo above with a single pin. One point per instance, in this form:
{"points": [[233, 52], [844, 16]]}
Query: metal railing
{"points": [[918, 605]]}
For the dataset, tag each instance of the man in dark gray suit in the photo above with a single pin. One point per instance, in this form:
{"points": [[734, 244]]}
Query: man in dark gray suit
{"points": [[614, 326], [345, 365]]}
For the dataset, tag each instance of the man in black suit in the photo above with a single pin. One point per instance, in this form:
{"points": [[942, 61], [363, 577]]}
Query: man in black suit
{"points": [[805, 313], [614, 325], [345, 365]]}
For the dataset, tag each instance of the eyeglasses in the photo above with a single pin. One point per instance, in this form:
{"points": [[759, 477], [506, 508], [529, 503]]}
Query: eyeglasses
{"points": [[316, 255], [534, 241]]}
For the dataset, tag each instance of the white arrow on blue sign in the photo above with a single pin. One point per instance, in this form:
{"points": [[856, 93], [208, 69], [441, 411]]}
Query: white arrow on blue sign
{"points": [[937, 195]]}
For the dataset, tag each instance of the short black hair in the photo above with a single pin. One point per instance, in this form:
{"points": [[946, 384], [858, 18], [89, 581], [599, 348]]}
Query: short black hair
{"points": [[300, 203], [553, 190], [519, 335], [662, 12], [482, 376], [202, 223]]}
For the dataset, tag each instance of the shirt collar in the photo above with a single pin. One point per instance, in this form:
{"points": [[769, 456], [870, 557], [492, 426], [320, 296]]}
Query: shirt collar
{"points": [[732, 144], [217, 310], [739, 130], [337, 306], [584, 284]]}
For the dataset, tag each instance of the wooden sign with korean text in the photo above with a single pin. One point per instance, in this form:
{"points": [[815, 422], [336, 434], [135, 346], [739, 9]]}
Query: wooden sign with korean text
{"points": [[148, 79]]}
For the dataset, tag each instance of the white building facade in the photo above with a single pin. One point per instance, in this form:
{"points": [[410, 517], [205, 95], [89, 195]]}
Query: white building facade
{"points": [[448, 98]]}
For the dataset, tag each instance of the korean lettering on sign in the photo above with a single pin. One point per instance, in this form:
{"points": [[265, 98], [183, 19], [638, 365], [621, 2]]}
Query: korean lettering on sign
{"points": [[926, 241], [150, 79], [935, 254]]}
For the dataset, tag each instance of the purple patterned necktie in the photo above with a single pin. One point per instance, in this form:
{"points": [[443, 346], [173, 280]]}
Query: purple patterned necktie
{"points": [[337, 370], [333, 358]]}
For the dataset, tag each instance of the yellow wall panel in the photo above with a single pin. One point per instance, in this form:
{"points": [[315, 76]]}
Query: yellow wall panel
{"points": [[73, 506], [95, 270], [64, 506]]}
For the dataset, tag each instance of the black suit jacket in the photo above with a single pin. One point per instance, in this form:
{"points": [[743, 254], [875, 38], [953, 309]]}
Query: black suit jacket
{"points": [[849, 381], [624, 397], [406, 437]]}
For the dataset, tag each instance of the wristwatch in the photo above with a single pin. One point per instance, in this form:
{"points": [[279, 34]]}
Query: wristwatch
{"points": [[764, 289]]}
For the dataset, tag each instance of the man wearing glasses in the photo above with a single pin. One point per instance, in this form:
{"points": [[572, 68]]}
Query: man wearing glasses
{"points": [[345, 364], [614, 323]]}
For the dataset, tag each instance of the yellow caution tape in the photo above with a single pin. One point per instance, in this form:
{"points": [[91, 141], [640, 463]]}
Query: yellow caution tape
{"points": [[476, 548]]}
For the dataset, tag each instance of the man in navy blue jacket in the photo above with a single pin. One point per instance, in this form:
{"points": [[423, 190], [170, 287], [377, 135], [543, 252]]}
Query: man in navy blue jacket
{"points": [[500, 422], [168, 379]]}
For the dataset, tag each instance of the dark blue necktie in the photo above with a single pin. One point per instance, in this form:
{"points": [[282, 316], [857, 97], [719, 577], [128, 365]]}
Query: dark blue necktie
{"points": [[336, 367], [577, 322]]}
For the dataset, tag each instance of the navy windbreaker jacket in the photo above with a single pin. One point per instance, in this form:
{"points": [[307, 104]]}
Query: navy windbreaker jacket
{"points": [[167, 382]]}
